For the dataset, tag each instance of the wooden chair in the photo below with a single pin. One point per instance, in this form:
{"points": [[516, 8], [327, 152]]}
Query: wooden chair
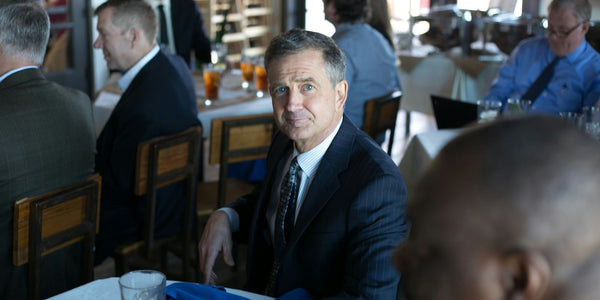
{"points": [[238, 139], [233, 139], [160, 162], [381, 114], [52, 221]]}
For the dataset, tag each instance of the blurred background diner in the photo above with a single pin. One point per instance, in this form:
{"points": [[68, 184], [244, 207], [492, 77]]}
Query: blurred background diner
{"points": [[449, 49]]}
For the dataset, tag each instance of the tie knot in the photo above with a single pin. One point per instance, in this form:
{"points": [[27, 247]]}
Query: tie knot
{"points": [[294, 166]]}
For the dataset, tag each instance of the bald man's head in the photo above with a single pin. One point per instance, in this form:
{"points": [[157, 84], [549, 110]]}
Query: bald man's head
{"points": [[509, 208]]}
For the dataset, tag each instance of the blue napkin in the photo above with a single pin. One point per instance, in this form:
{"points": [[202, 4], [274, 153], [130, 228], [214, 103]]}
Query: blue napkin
{"points": [[196, 291]]}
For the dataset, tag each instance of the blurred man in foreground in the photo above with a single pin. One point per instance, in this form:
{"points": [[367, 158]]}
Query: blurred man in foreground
{"points": [[558, 73], [507, 211], [331, 206], [47, 142]]}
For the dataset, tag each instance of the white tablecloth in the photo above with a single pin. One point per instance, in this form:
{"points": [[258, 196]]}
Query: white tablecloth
{"points": [[108, 289], [421, 150], [450, 75], [229, 92]]}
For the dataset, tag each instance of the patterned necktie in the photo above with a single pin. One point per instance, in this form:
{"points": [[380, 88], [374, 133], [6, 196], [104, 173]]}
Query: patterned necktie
{"points": [[541, 82], [284, 221], [164, 36]]}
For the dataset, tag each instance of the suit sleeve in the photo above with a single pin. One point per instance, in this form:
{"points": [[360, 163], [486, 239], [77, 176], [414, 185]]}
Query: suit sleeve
{"points": [[200, 42], [377, 223]]}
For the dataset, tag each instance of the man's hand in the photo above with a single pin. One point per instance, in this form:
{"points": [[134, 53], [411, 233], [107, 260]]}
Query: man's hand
{"points": [[215, 238]]}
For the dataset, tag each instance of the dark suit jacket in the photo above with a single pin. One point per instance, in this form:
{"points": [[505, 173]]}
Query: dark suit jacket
{"points": [[188, 31], [47, 141], [156, 103], [351, 219]]}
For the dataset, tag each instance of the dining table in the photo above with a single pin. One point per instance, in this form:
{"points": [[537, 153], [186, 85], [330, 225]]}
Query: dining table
{"points": [[420, 151], [233, 100], [424, 71], [108, 289]]}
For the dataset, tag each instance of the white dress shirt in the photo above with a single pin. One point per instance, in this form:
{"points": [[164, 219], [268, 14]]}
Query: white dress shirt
{"points": [[309, 163], [3, 76], [128, 77]]}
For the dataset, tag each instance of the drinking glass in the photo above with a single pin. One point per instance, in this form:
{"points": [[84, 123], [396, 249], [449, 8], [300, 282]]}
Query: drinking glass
{"points": [[143, 285], [262, 82], [573, 118], [517, 107], [591, 121], [247, 66], [488, 110], [212, 75]]}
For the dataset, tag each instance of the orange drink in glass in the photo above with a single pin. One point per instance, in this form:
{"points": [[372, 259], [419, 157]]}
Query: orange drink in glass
{"points": [[247, 73], [211, 83], [262, 82]]}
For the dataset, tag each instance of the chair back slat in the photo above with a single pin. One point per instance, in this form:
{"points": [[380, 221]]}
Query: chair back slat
{"points": [[381, 114], [52, 221]]}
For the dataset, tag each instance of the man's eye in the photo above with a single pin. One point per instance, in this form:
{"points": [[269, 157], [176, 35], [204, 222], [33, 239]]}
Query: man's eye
{"points": [[280, 90], [308, 87]]}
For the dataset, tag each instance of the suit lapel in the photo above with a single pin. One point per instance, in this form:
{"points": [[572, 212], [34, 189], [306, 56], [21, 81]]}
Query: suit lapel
{"points": [[326, 181]]}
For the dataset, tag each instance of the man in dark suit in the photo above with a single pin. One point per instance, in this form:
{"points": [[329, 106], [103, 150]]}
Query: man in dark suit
{"points": [[155, 102], [331, 207], [184, 29], [47, 141]]}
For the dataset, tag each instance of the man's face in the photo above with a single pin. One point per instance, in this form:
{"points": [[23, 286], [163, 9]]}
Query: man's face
{"points": [[565, 31], [115, 44], [306, 107], [443, 258]]}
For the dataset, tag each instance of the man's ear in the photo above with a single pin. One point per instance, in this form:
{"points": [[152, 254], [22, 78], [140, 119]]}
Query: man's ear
{"points": [[134, 36], [526, 275], [341, 93]]}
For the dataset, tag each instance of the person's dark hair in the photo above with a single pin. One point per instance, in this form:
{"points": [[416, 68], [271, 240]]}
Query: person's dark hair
{"points": [[583, 10], [380, 19], [351, 10], [129, 13], [24, 31], [297, 40]]}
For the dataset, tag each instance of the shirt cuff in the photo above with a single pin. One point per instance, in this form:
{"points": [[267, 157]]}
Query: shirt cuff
{"points": [[234, 218]]}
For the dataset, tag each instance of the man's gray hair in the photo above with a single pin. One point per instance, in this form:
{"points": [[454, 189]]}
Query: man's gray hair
{"points": [[24, 31], [583, 10], [296, 40]]}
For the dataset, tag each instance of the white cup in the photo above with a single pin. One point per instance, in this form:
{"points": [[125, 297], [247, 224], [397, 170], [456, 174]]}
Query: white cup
{"points": [[143, 285]]}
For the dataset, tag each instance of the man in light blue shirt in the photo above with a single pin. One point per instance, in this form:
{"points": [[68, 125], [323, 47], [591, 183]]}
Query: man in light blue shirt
{"points": [[370, 60], [576, 80]]}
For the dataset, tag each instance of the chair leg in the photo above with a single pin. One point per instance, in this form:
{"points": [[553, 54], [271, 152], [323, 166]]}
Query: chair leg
{"points": [[119, 265], [407, 130]]}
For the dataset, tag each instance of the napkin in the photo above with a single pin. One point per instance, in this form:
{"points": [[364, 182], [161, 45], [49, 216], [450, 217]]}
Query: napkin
{"points": [[195, 291]]}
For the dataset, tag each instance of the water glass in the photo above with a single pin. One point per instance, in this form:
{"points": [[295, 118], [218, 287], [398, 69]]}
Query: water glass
{"points": [[488, 110], [143, 285], [517, 107], [591, 121], [576, 119]]}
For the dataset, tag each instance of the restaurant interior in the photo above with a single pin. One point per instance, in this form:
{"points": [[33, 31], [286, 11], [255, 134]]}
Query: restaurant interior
{"points": [[450, 48]]}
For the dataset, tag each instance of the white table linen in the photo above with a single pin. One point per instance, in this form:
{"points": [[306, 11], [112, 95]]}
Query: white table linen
{"points": [[108, 289]]}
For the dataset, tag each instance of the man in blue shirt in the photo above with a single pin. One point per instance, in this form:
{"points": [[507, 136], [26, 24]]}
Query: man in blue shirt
{"points": [[370, 60], [576, 80]]}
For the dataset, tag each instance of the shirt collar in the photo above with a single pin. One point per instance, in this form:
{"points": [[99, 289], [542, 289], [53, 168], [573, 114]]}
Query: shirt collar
{"points": [[5, 75], [128, 77], [309, 161]]}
